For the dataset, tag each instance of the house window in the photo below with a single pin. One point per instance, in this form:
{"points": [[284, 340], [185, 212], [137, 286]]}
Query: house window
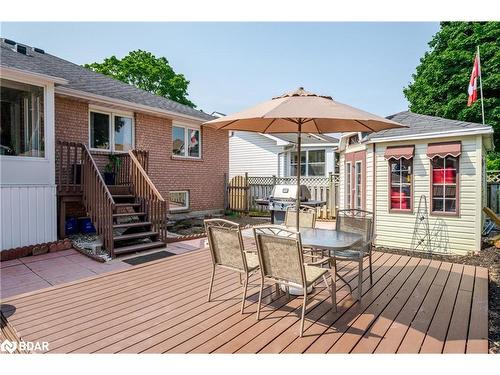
{"points": [[111, 132], [312, 163], [357, 187], [186, 141], [179, 200], [401, 184], [444, 184], [22, 119], [348, 188]]}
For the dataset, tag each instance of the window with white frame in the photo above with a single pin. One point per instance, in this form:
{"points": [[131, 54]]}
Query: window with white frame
{"points": [[357, 185], [348, 181], [186, 141], [179, 200], [22, 130], [312, 163], [111, 131]]}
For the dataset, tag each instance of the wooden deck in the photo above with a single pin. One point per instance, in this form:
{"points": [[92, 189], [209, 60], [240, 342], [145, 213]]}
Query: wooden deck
{"points": [[415, 305]]}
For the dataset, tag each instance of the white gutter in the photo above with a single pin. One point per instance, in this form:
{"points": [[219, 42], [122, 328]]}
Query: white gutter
{"points": [[450, 133], [9, 71], [124, 103]]}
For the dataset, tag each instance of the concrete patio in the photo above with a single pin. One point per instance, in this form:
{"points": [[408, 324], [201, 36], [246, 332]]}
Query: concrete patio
{"points": [[33, 273]]}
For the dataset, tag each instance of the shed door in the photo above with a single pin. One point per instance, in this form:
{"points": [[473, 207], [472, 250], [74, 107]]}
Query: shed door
{"points": [[355, 180]]}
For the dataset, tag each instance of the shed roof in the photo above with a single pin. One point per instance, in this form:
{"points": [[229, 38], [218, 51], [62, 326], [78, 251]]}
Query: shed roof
{"points": [[423, 124]]}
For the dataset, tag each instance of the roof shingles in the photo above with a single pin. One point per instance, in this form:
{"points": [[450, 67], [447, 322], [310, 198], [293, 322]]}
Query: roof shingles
{"points": [[423, 124], [86, 80]]}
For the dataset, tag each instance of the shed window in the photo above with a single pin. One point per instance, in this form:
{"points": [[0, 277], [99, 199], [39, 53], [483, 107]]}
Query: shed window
{"points": [[401, 183], [444, 184], [348, 192]]}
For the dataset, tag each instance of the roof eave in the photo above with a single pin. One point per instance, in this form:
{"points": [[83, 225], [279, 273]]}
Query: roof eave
{"points": [[15, 72], [66, 91], [451, 133]]}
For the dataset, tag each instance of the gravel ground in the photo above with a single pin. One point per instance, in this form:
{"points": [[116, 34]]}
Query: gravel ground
{"points": [[488, 257]]}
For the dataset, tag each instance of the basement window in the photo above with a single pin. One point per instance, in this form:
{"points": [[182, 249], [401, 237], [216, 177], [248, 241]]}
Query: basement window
{"points": [[179, 200]]}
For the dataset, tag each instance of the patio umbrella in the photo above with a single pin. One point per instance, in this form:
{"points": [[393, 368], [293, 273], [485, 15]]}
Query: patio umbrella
{"points": [[300, 112]]}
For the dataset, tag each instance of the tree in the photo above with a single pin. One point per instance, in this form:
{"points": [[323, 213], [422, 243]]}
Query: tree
{"points": [[439, 86], [148, 72]]}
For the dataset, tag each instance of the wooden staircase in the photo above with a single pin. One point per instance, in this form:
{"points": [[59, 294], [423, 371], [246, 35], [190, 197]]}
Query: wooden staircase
{"points": [[130, 216], [132, 229]]}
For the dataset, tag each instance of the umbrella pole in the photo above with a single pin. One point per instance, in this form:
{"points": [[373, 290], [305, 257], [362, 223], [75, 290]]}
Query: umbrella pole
{"points": [[299, 167]]}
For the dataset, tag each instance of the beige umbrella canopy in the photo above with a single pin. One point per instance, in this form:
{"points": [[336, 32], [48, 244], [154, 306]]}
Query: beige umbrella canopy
{"points": [[302, 112]]}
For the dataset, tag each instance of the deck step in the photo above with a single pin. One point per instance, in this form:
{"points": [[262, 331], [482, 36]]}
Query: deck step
{"points": [[134, 236], [130, 225], [138, 247], [125, 214], [122, 205], [122, 196]]}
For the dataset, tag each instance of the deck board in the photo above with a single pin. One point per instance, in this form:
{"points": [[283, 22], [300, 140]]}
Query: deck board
{"points": [[414, 305]]}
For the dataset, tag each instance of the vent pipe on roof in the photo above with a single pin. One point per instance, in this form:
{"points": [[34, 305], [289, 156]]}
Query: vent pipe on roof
{"points": [[21, 49]]}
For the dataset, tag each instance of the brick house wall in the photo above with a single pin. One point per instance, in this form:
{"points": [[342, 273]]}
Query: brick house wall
{"points": [[204, 178]]}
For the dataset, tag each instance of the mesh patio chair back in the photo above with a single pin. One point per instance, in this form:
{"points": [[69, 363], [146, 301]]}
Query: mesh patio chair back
{"points": [[226, 244], [356, 221], [307, 217], [280, 254]]}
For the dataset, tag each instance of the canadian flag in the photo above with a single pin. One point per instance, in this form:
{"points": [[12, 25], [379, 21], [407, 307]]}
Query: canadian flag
{"points": [[473, 82]]}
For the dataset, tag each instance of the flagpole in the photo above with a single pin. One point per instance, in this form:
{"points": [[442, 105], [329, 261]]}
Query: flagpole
{"points": [[480, 83]]}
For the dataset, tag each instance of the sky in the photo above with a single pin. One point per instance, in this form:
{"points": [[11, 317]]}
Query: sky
{"points": [[232, 66]]}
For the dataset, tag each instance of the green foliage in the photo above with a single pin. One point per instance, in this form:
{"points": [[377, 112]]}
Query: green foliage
{"points": [[114, 164], [493, 161], [148, 72], [439, 86]]}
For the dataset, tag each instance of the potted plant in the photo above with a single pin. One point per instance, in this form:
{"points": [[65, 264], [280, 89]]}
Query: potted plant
{"points": [[111, 168]]}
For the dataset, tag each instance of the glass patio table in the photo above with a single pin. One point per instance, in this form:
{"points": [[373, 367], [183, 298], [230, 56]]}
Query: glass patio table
{"points": [[321, 239]]}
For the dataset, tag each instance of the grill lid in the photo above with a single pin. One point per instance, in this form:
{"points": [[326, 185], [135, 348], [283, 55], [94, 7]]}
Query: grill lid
{"points": [[289, 192]]}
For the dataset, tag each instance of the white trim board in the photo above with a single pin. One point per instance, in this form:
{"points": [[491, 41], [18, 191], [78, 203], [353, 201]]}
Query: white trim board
{"points": [[450, 133]]}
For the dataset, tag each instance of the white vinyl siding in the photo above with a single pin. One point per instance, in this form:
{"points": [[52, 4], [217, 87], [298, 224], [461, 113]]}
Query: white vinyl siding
{"points": [[449, 234], [252, 153], [28, 215], [452, 234]]}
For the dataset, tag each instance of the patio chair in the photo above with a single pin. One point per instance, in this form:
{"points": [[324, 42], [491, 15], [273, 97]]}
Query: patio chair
{"points": [[360, 222], [307, 217], [281, 259], [227, 251]]}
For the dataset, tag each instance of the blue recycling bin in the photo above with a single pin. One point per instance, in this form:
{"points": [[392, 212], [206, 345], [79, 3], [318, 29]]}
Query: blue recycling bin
{"points": [[71, 226], [86, 226]]}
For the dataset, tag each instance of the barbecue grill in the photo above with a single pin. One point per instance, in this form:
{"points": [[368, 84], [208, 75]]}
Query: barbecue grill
{"points": [[284, 196]]}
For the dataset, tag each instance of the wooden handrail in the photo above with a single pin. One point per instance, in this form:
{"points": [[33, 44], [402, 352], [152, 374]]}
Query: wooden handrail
{"points": [[144, 175], [149, 197], [97, 200]]}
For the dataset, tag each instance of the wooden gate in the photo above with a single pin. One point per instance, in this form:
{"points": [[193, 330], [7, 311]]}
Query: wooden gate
{"points": [[237, 193]]}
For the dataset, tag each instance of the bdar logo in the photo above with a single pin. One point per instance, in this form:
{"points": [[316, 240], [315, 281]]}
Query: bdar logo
{"points": [[8, 346]]}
